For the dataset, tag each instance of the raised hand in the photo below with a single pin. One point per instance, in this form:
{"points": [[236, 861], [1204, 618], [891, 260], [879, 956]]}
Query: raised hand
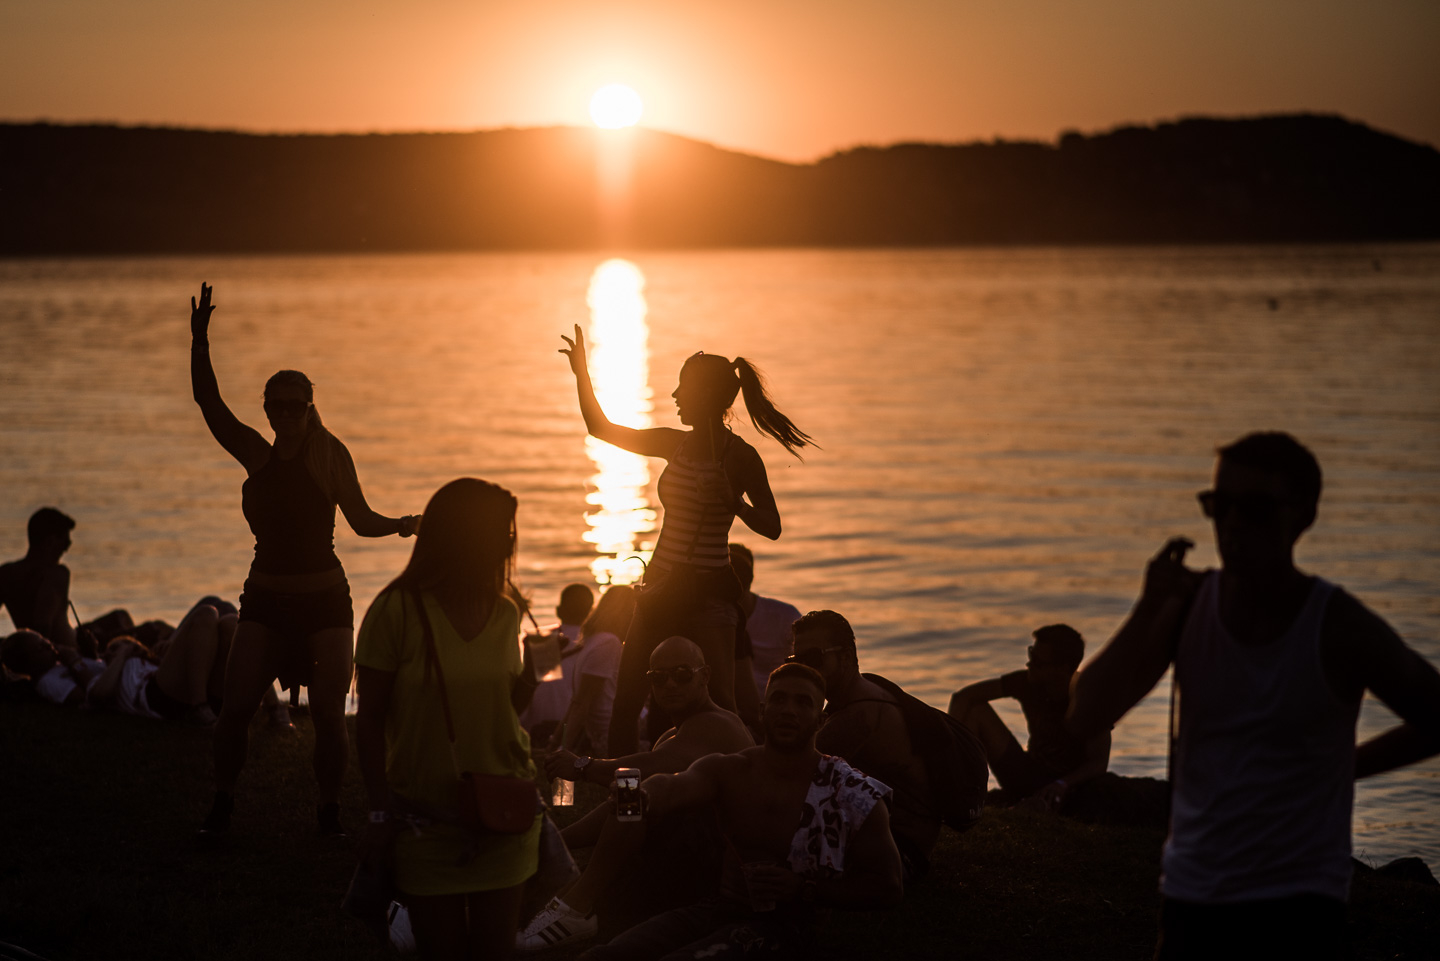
{"points": [[1166, 575], [200, 315], [575, 351]]}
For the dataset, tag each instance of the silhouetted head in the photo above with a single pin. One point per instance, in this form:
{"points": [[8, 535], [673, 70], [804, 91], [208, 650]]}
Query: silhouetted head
{"points": [[575, 603], [1055, 655], [28, 653], [1266, 494], [612, 615], [742, 561], [290, 403], [825, 642], [679, 677], [48, 534], [467, 541], [794, 703], [707, 389]]}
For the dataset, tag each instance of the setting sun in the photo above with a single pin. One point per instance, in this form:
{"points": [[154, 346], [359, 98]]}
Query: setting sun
{"points": [[614, 106]]}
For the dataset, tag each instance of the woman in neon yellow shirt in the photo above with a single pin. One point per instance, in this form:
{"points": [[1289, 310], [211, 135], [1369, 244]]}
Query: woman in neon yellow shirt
{"points": [[455, 581]]}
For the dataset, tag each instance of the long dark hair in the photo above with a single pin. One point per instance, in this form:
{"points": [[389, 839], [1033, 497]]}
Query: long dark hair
{"points": [[465, 542], [613, 613], [724, 379]]}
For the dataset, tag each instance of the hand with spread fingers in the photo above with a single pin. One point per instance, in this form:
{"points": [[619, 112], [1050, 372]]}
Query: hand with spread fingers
{"points": [[575, 351], [200, 315], [1167, 576]]}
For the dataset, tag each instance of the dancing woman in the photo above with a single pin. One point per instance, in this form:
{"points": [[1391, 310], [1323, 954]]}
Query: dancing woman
{"points": [[296, 618], [437, 667], [689, 586]]}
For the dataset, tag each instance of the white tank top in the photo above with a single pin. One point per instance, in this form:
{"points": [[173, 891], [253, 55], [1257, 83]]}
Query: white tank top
{"points": [[1264, 766]]}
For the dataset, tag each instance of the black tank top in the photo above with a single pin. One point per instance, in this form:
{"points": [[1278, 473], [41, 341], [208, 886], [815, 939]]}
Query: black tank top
{"points": [[291, 517]]}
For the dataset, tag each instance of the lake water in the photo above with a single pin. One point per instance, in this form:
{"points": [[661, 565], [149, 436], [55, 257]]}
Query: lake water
{"points": [[1006, 434]]}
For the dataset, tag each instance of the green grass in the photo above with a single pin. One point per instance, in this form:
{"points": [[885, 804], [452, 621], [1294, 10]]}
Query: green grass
{"points": [[98, 860]]}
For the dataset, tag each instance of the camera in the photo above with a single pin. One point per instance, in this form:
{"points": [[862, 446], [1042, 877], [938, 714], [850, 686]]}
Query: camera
{"points": [[629, 804]]}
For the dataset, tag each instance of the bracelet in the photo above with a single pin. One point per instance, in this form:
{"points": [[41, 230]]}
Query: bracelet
{"points": [[379, 817]]}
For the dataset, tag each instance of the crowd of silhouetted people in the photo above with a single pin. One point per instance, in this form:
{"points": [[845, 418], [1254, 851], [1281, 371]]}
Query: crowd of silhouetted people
{"points": [[758, 776]]}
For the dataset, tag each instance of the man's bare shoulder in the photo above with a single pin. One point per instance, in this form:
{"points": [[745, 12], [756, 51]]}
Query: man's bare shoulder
{"points": [[722, 731], [1348, 619]]}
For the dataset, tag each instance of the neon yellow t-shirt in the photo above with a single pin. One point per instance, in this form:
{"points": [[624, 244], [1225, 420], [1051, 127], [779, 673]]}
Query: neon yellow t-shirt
{"points": [[479, 673]]}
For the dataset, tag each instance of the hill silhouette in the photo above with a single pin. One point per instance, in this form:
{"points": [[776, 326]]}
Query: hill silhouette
{"points": [[68, 190]]}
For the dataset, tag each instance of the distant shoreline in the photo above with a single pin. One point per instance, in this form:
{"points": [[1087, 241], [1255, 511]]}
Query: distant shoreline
{"points": [[96, 190]]}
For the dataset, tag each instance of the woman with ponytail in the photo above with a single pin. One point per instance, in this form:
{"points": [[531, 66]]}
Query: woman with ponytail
{"points": [[296, 617], [711, 477]]}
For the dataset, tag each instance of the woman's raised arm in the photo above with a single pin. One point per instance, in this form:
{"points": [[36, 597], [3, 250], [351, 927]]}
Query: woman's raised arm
{"points": [[650, 442], [242, 443]]}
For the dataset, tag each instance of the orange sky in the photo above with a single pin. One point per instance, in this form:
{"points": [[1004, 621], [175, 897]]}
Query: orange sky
{"points": [[786, 78]]}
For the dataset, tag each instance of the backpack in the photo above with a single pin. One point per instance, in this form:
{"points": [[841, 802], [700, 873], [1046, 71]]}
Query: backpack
{"points": [[954, 757]]}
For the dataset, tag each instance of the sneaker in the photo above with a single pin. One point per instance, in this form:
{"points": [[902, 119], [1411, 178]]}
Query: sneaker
{"points": [[557, 924], [217, 823], [327, 821]]}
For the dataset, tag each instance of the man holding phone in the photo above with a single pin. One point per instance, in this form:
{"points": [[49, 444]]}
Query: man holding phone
{"points": [[774, 875]]}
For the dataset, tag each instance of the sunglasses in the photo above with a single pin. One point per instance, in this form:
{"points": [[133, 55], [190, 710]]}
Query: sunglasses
{"points": [[681, 675], [814, 656], [1252, 508], [286, 408]]}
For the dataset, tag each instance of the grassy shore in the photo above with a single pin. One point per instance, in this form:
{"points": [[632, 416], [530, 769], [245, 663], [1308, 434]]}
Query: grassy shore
{"points": [[99, 861]]}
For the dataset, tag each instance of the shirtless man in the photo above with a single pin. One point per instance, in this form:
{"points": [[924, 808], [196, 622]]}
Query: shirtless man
{"points": [[36, 588], [865, 723], [805, 830], [1054, 762], [679, 682], [1270, 666]]}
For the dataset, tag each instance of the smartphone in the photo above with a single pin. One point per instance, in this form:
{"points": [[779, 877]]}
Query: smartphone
{"points": [[629, 805]]}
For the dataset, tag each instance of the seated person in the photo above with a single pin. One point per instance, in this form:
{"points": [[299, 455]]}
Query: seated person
{"points": [[36, 589], [804, 830], [1054, 761], [680, 683], [935, 767], [593, 672], [551, 700], [57, 673], [767, 620]]}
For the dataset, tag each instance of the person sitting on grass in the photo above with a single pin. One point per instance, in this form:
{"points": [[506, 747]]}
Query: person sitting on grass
{"points": [[935, 767], [1054, 762], [804, 831], [679, 681], [57, 673], [36, 588]]}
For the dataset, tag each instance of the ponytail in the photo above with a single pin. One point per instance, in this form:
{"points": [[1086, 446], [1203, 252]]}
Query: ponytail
{"points": [[762, 410], [328, 461]]}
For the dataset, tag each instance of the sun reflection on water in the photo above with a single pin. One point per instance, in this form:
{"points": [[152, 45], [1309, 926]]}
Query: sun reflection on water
{"points": [[622, 526]]}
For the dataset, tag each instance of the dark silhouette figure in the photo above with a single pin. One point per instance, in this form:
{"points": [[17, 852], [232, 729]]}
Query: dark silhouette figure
{"points": [[935, 767], [804, 831], [296, 617], [651, 868], [1054, 761], [437, 669], [36, 588], [1270, 666], [690, 588]]}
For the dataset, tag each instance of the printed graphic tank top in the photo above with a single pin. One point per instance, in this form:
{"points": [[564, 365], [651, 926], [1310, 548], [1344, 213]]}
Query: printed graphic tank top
{"points": [[291, 517], [1264, 765]]}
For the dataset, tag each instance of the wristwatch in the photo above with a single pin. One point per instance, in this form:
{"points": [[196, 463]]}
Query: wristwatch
{"points": [[581, 763]]}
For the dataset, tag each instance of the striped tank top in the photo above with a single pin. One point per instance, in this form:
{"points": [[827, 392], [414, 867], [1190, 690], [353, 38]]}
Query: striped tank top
{"points": [[695, 534]]}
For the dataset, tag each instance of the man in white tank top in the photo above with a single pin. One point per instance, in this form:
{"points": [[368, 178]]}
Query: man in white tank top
{"points": [[1270, 666]]}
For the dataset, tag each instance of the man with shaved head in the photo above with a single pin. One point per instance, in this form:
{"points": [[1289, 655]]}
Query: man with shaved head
{"points": [[679, 682]]}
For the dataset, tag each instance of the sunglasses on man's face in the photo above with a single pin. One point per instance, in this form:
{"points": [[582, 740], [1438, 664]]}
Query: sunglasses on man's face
{"points": [[286, 408], [681, 675], [1251, 508], [813, 656]]}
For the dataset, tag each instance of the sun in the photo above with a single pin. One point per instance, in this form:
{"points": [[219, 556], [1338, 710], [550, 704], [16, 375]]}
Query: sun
{"points": [[614, 106]]}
